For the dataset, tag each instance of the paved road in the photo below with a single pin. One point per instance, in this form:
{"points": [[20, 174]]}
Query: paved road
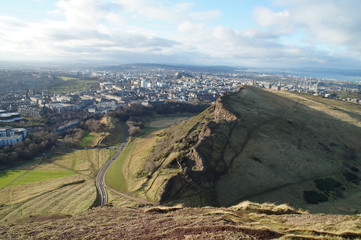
{"points": [[100, 179]]}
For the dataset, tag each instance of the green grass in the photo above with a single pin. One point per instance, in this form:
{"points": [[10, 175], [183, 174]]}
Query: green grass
{"points": [[42, 175], [88, 139], [7, 177], [64, 184], [32, 176], [121, 175], [69, 85], [67, 78], [114, 177]]}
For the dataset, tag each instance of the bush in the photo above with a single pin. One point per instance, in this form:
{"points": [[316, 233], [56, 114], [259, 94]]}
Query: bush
{"points": [[351, 177], [327, 184], [313, 197]]}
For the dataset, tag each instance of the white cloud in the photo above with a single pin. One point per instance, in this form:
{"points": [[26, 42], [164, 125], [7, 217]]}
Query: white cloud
{"points": [[167, 11], [152, 29], [332, 22], [266, 17]]}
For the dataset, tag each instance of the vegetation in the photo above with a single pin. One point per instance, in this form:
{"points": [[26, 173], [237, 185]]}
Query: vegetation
{"points": [[70, 84], [114, 177], [327, 184], [177, 222], [42, 175], [126, 173], [63, 184], [115, 131], [139, 112], [35, 144], [8, 176], [89, 139], [313, 197], [259, 141]]}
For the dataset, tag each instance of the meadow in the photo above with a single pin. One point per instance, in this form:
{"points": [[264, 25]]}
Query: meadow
{"points": [[69, 84], [63, 184]]}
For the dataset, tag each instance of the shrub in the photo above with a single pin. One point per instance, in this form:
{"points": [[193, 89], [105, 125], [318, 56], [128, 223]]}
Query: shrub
{"points": [[327, 184], [313, 197]]}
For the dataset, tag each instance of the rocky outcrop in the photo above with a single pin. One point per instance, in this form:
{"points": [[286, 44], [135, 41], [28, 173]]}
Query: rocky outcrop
{"points": [[221, 113], [247, 147]]}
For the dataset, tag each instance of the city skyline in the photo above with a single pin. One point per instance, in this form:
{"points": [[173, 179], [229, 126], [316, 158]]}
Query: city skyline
{"points": [[267, 33]]}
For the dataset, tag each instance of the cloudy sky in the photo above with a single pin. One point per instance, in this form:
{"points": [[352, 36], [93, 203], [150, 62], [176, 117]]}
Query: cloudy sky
{"points": [[272, 33]]}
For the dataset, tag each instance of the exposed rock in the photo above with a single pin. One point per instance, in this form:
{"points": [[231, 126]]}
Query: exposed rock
{"points": [[244, 147]]}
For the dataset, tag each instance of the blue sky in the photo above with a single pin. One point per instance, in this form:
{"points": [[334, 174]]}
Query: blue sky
{"points": [[263, 33]]}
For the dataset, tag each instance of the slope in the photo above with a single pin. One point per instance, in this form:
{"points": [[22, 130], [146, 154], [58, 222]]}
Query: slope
{"points": [[263, 146]]}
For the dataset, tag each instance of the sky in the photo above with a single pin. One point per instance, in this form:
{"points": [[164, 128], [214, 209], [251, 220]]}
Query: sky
{"points": [[262, 33]]}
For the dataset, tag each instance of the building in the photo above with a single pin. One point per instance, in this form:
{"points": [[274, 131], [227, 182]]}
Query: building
{"points": [[29, 111], [9, 136], [106, 85], [61, 107], [7, 117]]}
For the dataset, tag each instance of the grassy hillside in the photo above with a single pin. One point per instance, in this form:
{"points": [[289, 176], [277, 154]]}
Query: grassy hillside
{"points": [[244, 221], [63, 184], [129, 174], [257, 145]]}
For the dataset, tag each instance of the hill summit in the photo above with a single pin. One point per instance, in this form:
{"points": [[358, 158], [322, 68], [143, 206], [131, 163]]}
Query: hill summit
{"points": [[264, 146]]}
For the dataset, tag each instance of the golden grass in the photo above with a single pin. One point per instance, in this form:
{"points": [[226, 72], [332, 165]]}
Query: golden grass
{"points": [[267, 208], [163, 122], [178, 222], [70, 199], [66, 195], [334, 108]]}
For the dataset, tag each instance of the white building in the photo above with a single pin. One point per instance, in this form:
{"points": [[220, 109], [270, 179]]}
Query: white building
{"points": [[6, 117], [9, 136]]}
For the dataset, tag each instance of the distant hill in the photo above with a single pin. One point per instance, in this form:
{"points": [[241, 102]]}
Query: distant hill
{"points": [[192, 68], [264, 146]]}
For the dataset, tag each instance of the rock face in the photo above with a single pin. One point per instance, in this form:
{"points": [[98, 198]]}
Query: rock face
{"points": [[256, 145]]}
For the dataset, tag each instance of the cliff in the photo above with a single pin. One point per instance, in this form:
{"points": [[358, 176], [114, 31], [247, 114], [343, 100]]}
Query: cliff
{"points": [[266, 147]]}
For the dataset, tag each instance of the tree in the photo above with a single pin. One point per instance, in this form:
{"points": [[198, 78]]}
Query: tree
{"points": [[133, 130]]}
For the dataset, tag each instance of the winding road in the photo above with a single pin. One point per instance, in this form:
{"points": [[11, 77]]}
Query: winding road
{"points": [[100, 179]]}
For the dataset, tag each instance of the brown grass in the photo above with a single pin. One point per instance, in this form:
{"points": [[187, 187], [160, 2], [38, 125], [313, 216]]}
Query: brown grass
{"points": [[178, 223]]}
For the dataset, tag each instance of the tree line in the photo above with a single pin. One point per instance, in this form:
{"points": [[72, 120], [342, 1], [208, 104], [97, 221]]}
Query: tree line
{"points": [[34, 144]]}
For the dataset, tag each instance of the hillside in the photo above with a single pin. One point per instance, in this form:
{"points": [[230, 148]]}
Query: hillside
{"points": [[244, 221], [259, 145]]}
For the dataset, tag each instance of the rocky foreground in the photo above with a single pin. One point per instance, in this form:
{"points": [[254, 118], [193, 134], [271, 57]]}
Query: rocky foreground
{"points": [[244, 221]]}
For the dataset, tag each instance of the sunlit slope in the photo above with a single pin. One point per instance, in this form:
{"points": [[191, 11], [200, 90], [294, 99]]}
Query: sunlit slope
{"points": [[264, 146]]}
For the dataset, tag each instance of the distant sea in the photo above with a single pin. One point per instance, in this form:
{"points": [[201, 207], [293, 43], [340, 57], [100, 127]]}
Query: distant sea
{"points": [[337, 74]]}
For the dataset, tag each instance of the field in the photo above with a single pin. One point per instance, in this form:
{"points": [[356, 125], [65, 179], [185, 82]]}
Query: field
{"points": [[90, 139], [63, 184], [68, 84], [126, 174]]}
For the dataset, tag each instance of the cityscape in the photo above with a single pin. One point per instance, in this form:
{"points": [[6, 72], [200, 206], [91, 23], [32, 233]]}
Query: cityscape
{"points": [[184, 119]]}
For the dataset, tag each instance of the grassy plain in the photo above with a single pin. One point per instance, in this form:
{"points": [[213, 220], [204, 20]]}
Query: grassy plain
{"points": [[68, 84], [63, 184], [7, 177]]}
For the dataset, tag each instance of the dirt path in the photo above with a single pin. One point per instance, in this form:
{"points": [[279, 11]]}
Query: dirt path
{"points": [[136, 199]]}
